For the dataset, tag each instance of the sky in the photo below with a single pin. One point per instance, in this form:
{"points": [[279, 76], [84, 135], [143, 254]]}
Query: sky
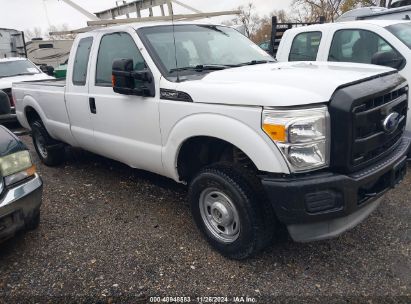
{"points": [[28, 14]]}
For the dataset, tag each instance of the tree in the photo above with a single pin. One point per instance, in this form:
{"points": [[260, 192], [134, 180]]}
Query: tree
{"points": [[34, 33], [38, 33], [312, 10], [351, 4], [247, 18], [263, 33]]}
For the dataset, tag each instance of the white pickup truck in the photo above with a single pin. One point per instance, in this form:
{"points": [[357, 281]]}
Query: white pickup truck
{"points": [[15, 69], [314, 146], [381, 42]]}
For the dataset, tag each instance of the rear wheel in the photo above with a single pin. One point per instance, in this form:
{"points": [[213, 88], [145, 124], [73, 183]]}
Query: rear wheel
{"points": [[50, 151], [229, 209]]}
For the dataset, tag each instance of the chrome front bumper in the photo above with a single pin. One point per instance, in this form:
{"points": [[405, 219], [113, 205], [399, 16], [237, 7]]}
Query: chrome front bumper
{"points": [[18, 205]]}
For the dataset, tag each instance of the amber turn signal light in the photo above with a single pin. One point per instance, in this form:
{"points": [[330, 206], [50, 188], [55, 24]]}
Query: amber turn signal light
{"points": [[276, 132]]}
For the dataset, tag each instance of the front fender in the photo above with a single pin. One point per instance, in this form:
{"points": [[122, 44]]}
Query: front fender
{"points": [[254, 143]]}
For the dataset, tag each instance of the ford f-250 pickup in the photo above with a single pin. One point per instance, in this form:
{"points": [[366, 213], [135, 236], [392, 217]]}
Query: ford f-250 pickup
{"points": [[314, 146]]}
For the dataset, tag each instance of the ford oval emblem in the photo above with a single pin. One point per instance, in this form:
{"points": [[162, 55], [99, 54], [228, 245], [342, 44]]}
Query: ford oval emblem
{"points": [[391, 122]]}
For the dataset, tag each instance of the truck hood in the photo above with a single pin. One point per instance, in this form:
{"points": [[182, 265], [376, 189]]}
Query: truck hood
{"points": [[6, 82], [278, 84]]}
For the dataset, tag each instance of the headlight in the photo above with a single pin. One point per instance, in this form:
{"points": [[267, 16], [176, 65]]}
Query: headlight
{"points": [[302, 135], [16, 167]]}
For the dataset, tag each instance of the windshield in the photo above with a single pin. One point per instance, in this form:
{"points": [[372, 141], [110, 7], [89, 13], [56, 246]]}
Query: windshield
{"points": [[200, 48], [17, 67], [402, 31]]}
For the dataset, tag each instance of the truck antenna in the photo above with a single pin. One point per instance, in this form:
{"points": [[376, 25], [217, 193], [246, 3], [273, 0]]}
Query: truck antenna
{"points": [[175, 45]]}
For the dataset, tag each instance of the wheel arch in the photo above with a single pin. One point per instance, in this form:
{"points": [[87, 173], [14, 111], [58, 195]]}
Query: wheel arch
{"points": [[31, 110], [263, 153]]}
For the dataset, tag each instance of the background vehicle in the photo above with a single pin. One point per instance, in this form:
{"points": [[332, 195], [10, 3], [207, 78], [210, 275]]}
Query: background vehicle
{"points": [[20, 186], [398, 11], [12, 43], [400, 3], [265, 46], [16, 70], [49, 52], [277, 31], [257, 142], [382, 42], [61, 70]]}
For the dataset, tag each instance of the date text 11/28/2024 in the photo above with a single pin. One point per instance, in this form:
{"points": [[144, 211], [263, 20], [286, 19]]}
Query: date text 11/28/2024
{"points": [[236, 299]]}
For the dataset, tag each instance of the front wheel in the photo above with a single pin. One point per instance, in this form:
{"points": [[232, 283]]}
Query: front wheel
{"points": [[228, 208], [50, 151]]}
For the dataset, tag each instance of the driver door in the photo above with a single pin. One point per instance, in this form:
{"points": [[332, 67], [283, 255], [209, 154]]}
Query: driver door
{"points": [[126, 127]]}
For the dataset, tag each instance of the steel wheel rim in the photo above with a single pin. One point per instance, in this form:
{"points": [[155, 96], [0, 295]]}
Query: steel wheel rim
{"points": [[219, 215], [41, 145]]}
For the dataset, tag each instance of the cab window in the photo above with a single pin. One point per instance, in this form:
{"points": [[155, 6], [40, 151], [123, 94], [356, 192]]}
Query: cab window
{"points": [[112, 47], [361, 46], [305, 47], [81, 61]]}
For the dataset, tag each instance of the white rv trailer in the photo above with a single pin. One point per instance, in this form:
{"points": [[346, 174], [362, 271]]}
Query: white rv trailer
{"points": [[49, 52]]}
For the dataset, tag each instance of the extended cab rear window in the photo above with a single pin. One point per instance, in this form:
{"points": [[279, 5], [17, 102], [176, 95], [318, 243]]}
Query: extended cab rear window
{"points": [[305, 47], [81, 61]]}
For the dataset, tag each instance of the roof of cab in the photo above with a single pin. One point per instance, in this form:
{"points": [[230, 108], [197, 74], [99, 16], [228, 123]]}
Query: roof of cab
{"points": [[380, 23]]}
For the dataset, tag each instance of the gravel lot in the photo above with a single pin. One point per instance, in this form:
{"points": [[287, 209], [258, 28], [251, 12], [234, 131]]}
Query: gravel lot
{"points": [[110, 234]]}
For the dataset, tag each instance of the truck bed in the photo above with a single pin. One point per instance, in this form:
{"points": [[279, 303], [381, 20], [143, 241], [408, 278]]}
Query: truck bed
{"points": [[47, 98], [46, 82]]}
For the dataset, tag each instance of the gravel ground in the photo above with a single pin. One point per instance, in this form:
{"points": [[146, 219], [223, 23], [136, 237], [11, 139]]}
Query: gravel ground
{"points": [[111, 234]]}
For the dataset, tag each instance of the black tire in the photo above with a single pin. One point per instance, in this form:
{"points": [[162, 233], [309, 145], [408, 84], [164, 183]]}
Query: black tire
{"points": [[50, 151], [33, 222], [256, 218]]}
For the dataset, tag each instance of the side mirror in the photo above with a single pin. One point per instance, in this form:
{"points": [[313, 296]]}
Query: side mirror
{"points": [[5, 107], [48, 69], [127, 81], [389, 59]]}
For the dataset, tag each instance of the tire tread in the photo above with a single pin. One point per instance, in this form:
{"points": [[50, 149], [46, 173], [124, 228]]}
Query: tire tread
{"points": [[248, 185]]}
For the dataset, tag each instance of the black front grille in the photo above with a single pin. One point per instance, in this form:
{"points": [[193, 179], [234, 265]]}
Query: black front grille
{"points": [[370, 139], [357, 115]]}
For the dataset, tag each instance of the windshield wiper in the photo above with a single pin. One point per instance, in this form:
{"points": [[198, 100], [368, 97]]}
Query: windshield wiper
{"points": [[201, 68], [254, 62], [218, 67]]}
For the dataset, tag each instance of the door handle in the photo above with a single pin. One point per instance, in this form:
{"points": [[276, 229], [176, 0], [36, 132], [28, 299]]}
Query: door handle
{"points": [[92, 103]]}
